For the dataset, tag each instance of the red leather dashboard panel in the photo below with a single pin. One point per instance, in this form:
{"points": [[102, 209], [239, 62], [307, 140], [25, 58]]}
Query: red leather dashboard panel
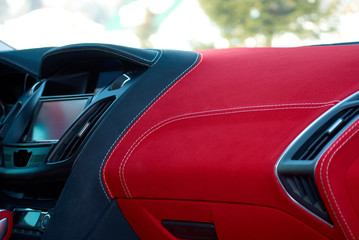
{"points": [[233, 221], [215, 136], [337, 175]]}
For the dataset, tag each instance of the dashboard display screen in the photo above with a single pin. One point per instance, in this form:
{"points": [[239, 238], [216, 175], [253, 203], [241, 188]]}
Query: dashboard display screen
{"points": [[55, 117]]}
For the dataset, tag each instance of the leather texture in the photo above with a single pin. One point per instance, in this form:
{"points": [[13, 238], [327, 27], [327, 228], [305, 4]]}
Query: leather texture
{"points": [[215, 136], [84, 199], [6, 214], [337, 177], [232, 221]]}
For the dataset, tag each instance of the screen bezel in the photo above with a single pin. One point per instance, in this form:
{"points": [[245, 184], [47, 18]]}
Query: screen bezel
{"points": [[29, 130]]}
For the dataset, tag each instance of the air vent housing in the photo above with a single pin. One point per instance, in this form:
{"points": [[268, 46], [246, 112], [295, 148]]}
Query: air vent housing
{"points": [[71, 141], [304, 190], [296, 167], [315, 144]]}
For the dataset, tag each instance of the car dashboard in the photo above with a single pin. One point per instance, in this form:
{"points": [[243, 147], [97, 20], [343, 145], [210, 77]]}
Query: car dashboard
{"points": [[46, 122], [102, 141]]}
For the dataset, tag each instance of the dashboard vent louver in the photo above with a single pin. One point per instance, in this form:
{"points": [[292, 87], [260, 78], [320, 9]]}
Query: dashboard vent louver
{"points": [[74, 136], [296, 168], [315, 144], [304, 191]]}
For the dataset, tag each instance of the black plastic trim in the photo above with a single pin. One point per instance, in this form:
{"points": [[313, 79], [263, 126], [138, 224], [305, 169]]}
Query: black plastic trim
{"points": [[191, 230], [58, 58], [298, 163]]}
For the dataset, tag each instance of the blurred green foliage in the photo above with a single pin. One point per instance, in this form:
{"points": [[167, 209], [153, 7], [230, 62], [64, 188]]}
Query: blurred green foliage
{"points": [[265, 19]]}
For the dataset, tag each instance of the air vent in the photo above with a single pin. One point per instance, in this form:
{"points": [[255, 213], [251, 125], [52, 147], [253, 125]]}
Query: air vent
{"points": [[304, 191], [315, 144], [295, 170], [74, 136]]}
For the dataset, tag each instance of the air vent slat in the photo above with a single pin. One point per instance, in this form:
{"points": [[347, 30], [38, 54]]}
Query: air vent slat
{"points": [[350, 114], [74, 145], [319, 139], [304, 191], [75, 135], [318, 147], [315, 147], [293, 186], [300, 187], [308, 191]]}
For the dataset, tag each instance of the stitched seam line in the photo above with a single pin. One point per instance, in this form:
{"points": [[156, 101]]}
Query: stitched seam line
{"points": [[206, 114], [160, 97], [109, 150], [327, 177], [107, 51], [134, 55], [130, 126]]}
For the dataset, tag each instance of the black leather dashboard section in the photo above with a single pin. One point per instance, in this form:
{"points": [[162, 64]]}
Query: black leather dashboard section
{"points": [[60, 57], [26, 61], [84, 202]]}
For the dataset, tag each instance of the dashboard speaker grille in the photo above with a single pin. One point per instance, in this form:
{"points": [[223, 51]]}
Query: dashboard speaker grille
{"points": [[71, 141]]}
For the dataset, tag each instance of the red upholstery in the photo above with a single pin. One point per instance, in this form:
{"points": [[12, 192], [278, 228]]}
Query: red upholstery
{"points": [[5, 214], [217, 133], [233, 221], [337, 174]]}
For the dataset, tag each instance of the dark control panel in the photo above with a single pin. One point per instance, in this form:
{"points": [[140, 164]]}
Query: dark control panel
{"points": [[25, 155], [30, 222]]}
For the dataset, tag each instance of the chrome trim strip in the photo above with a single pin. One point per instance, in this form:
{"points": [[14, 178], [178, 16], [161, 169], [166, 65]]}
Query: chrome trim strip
{"points": [[34, 88], [335, 125], [84, 128], [128, 79]]}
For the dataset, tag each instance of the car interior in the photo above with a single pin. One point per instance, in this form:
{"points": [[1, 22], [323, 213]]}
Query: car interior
{"points": [[102, 141]]}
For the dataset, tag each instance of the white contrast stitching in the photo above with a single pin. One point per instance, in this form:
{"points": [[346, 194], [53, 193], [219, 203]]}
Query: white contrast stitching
{"points": [[134, 55], [109, 150], [160, 97], [327, 176], [129, 126], [215, 112]]}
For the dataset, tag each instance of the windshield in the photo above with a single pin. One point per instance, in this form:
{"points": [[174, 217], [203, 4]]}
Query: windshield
{"points": [[5, 47], [178, 24]]}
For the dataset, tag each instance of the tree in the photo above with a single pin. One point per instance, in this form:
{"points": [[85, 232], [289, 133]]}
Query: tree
{"points": [[150, 24], [265, 19]]}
